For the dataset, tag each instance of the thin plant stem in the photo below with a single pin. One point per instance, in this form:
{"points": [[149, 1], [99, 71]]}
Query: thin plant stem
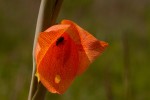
{"points": [[107, 82], [40, 93], [48, 12], [126, 53]]}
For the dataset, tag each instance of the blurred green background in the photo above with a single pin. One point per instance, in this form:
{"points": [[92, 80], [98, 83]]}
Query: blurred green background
{"points": [[121, 73]]}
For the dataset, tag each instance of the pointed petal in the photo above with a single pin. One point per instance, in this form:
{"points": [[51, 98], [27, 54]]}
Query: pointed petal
{"points": [[90, 47]]}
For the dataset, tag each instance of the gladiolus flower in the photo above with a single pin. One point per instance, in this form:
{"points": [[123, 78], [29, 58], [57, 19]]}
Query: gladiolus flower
{"points": [[63, 52]]}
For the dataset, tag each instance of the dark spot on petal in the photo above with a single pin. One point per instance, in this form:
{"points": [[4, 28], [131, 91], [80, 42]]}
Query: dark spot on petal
{"points": [[59, 40]]}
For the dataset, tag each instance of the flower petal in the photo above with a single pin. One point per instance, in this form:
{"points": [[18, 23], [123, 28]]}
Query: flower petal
{"points": [[90, 47], [46, 39], [59, 65]]}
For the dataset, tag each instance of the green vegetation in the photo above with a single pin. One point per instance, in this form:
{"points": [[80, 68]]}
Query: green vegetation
{"points": [[122, 71]]}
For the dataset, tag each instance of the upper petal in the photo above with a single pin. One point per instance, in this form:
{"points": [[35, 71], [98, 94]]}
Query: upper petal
{"points": [[46, 39], [89, 47]]}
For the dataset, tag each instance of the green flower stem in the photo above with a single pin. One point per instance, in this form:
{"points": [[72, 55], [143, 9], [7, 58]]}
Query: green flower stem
{"points": [[47, 16]]}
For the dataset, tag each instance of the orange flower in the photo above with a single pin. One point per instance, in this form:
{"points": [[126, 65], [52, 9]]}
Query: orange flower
{"points": [[62, 52]]}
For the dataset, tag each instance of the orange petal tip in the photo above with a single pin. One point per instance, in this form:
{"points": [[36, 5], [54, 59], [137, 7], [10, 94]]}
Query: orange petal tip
{"points": [[104, 44]]}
